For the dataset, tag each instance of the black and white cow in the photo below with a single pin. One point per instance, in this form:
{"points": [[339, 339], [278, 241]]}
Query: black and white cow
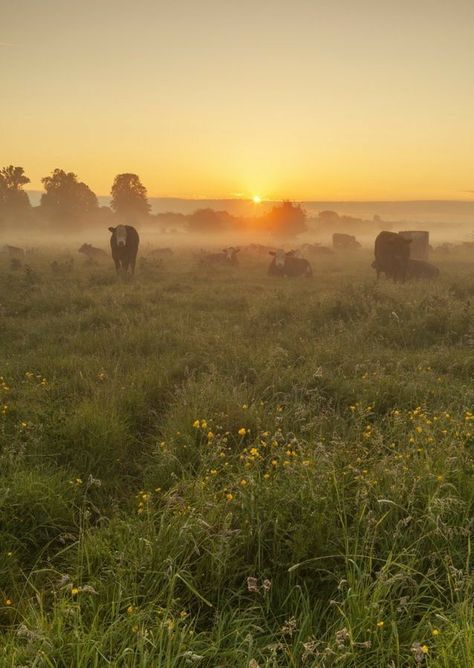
{"points": [[124, 244]]}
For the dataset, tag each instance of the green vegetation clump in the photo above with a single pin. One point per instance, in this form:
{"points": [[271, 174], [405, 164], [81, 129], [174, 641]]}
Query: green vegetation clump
{"points": [[221, 468]]}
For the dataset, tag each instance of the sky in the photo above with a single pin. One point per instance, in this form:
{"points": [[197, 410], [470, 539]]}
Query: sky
{"points": [[301, 99]]}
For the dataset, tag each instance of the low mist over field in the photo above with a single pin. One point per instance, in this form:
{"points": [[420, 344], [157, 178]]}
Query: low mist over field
{"points": [[236, 334], [62, 214]]}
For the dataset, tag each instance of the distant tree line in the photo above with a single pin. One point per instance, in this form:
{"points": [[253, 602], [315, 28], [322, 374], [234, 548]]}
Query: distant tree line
{"points": [[67, 204]]}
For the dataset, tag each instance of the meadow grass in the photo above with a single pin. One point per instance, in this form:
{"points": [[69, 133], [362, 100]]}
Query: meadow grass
{"points": [[220, 468]]}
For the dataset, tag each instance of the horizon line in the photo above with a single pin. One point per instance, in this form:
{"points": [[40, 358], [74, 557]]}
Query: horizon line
{"points": [[291, 199]]}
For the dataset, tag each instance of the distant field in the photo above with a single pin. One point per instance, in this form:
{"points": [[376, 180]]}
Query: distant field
{"points": [[219, 468]]}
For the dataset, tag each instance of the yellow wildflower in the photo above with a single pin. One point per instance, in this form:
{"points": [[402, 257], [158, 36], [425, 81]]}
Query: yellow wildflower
{"points": [[242, 431]]}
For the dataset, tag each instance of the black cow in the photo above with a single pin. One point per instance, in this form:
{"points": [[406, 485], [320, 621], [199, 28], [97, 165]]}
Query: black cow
{"points": [[124, 243], [421, 269], [289, 264], [392, 253]]}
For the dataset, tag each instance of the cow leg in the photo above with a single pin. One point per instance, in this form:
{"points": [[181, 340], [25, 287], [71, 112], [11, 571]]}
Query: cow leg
{"points": [[132, 265]]}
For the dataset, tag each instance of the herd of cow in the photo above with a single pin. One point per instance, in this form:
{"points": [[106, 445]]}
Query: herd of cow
{"points": [[391, 250]]}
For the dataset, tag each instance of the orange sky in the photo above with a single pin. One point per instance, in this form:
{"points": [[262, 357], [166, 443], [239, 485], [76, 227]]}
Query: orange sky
{"points": [[307, 99]]}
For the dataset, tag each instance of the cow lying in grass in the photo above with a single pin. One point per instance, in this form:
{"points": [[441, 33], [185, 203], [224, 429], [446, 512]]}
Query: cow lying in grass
{"points": [[92, 254], [289, 264], [227, 256]]}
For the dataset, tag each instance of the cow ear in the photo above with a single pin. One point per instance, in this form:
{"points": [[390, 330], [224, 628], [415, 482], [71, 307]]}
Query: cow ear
{"points": [[271, 253], [112, 229]]}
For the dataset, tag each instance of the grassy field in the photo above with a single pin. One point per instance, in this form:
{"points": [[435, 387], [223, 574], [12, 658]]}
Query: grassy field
{"points": [[223, 469]]}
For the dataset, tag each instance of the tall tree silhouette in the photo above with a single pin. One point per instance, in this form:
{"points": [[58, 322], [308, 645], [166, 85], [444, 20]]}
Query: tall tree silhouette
{"points": [[129, 197], [65, 198], [286, 219], [13, 199]]}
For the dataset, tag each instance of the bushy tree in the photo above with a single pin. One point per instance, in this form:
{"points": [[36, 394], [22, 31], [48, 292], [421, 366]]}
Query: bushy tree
{"points": [[209, 220], [286, 219], [13, 199], [129, 197], [65, 198], [329, 216]]}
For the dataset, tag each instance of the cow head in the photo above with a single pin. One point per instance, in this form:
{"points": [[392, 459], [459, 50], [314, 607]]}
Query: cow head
{"points": [[279, 256], [120, 233], [84, 248], [230, 253]]}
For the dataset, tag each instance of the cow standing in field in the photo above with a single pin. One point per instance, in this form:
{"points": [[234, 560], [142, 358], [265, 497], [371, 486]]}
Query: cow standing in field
{"points": [[289, 264], [392, 253], [124, 244]]}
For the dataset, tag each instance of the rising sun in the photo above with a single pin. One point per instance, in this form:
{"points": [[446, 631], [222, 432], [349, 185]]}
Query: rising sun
{"points": [[256, 199]]}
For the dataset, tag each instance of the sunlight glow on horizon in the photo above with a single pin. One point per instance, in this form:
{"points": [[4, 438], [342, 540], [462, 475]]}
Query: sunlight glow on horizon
{"points": [[313, 101]]}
